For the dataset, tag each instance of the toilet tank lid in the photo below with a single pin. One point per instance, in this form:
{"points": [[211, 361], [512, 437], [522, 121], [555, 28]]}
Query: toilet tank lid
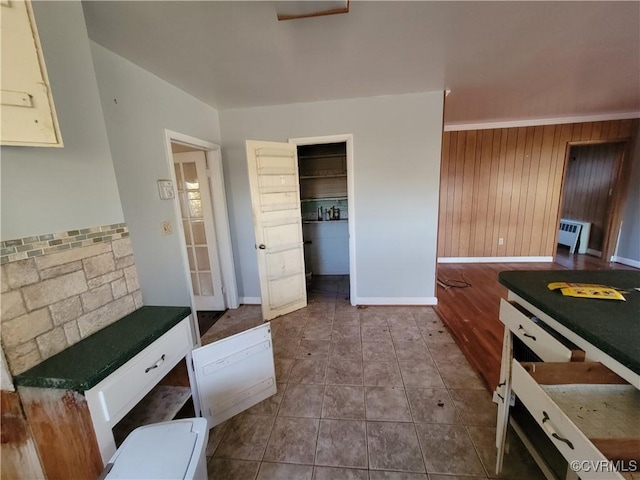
{"points": [[159, 451]]}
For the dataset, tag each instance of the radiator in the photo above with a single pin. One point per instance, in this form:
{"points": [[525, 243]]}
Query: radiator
{"points": [[570, 231]]}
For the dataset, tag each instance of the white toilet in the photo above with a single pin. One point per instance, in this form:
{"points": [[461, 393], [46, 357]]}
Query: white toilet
{"points": [[169, 450]]}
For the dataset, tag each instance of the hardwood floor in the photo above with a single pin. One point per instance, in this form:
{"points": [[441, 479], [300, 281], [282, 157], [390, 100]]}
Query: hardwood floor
{"points": [[471, 312]]}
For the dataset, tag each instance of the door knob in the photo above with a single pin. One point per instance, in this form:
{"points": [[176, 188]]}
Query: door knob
{"points": [[262, 246]]}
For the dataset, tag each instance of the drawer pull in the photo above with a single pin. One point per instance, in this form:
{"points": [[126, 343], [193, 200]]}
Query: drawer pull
{"points": [[155, 365], [524, 332], [552, 432]]}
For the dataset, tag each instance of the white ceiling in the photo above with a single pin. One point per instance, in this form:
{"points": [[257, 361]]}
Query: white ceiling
{"points": [[501, 60]]}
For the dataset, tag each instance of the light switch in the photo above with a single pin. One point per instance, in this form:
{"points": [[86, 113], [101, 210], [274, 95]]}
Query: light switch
{"points": [[165, 188]]}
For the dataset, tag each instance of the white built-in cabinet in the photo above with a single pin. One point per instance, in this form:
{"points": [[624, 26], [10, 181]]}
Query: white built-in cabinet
{"points": [[28, 114]]}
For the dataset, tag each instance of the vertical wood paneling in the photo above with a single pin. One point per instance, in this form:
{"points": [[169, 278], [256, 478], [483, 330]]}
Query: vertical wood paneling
{"points": [[507, 183]]}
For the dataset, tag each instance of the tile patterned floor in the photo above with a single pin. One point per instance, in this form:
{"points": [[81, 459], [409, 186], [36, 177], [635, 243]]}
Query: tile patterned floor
{"points": [[375, 393]]}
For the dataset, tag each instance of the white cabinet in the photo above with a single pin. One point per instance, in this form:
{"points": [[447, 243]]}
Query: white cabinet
{"points": [[28, 113], [74, 427]]}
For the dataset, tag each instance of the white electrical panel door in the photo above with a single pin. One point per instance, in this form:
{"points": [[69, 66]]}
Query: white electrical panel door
{"points": [[234, 373], [28, 114]]}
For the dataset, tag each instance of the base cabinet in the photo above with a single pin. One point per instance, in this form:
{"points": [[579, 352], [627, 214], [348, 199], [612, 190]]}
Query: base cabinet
{"points": [[77, 432]]}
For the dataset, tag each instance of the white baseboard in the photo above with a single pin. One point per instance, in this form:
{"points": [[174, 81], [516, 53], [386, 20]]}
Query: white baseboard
{"points": [[250, 301], [493, 259], [595, 253], [626, 261], [396, 301]]}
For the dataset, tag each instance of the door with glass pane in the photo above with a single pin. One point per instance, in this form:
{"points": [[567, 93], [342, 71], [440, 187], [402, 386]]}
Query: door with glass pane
{"points": [[192, 185]]}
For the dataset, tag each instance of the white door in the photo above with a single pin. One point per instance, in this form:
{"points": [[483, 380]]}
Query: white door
{"points": [[275, 198], [233, 374], [199, 229]]}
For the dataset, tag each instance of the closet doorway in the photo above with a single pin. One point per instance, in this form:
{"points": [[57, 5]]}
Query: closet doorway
{"points": [[325, 175]]}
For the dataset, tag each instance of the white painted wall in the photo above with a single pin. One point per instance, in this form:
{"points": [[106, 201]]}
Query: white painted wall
{"points": [[138, 107], [50, 190], [397, 147]]}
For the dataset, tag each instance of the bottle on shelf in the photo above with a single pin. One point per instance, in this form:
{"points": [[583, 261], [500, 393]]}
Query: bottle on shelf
{"points": [[319, 213]]}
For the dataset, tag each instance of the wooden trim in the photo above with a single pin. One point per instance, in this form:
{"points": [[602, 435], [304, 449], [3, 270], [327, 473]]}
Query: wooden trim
{"points": [[63, 431], [333, 11], [493, 259], [565, 373], [533, 122]]}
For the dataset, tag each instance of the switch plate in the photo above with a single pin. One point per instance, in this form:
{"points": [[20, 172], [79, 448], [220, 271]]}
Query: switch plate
{"points": [[165, 188], [501, 241]]}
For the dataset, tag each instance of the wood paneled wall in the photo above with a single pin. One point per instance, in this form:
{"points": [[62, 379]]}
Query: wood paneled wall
{"points": [[506, 183], [589, 183]]}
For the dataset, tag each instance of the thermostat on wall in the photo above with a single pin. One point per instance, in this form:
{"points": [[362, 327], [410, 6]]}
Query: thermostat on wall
{"points": [[165, 187]]}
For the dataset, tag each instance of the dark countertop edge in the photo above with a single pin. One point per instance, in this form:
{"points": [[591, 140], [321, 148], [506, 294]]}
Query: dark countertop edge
{"points": [[36, 380], [618, 355]]}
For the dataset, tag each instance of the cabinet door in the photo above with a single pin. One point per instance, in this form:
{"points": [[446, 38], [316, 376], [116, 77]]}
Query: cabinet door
{"points": [[235, 373]]}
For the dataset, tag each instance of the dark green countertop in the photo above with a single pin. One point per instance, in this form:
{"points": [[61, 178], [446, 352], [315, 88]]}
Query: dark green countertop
{"points": [[610, 325], [86, 363]]}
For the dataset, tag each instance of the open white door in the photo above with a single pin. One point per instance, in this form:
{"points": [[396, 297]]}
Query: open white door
{"points": [[199, 230], [234, 373], [277, 220]]}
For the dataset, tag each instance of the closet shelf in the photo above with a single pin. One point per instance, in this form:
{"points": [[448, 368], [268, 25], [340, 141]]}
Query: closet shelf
{"points": [[332, 175], [322, 199]]}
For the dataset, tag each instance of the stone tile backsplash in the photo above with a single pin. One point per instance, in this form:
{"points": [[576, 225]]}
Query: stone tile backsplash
{"points": [[53, 295]]}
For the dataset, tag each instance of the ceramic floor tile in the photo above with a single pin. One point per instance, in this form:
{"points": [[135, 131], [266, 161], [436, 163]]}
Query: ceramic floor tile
{"points": [[346, 330], [283, 368], [308, 370], [387, 403], [446, 354], [246, 438], [346, 349], [313, 349], [270, 405], [301, 400], [385, 374], [293, 440], [412, 351], [426, 317], [440, 335], [336, 473], [283, 471], [420, 374], [405, 333], [342, 443], [458, 477], [378, 352], [448, 449], [216, 434], [285, 347], [460, 375], [343, 401], [381, 475], [232, 469], [346, 316], [401, 319], [371, 318], [289, 331], [394, 446], [344, 372], [317, 331], [517, 464], [475, 407], [375, 333], [432, 405]]}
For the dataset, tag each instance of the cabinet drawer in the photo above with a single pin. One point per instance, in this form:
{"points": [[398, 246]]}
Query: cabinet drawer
{"points": [[549, 347], [119, 392], [575, 417]]}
